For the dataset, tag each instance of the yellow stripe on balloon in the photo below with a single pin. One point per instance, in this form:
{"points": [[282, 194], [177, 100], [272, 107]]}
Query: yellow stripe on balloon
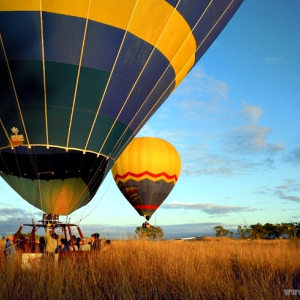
{"points": [[151, 21], [149, 154]]}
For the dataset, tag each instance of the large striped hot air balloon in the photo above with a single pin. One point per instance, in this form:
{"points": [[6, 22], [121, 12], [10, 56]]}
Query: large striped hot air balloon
{"points": [[146, 172], [79, 79]]}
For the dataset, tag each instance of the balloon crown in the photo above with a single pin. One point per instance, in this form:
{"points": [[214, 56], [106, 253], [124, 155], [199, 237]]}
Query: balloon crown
{"points": [[15, 130]]}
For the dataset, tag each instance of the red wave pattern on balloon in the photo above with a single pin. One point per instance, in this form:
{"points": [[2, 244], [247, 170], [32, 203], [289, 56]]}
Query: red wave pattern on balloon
{"points": [[163, 174]]}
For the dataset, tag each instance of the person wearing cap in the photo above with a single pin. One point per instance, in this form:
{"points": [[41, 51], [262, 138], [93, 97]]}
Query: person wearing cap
{"points": [[10, 249], [84, 245]]}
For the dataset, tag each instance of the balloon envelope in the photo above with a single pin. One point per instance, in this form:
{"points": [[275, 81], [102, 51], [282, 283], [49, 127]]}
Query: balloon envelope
{"points": [[146, 172], [79, 79]]}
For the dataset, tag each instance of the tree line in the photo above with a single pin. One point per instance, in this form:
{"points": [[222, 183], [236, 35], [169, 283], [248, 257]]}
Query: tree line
{"points": [[259, 231]]}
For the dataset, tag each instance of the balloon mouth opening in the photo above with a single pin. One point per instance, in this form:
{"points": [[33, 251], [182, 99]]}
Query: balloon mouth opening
{"points": [[52, 163], [63, 176]]}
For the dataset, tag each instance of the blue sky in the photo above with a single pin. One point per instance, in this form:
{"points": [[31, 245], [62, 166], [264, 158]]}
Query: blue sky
{"points": [[235, 123]]}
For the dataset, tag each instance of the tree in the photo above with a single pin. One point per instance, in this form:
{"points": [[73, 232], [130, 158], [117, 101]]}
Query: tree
{"points": [[258, 231], [267, 231], [220, 231], [151, 233], [272, 231], [297, 226], [243, 232]]}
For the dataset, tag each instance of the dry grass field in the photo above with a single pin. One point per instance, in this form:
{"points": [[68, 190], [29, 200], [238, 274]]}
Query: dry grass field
{"points": [[209, 269]]}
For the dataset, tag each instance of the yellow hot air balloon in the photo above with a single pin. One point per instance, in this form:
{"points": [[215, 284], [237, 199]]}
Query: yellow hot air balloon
{"points": [[80, 78], [146, 173]]}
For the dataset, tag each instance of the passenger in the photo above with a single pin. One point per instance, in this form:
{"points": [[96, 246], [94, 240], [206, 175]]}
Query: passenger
{"points": [[78, 242], [84, 245], [106, 245], [21, 243], [97, 241], [63, 245], [92, 243], [10, 249], [74, 238], [146, 225], [35, 247], [42, 244], [72, 247], [51, 241], [72, 244]]}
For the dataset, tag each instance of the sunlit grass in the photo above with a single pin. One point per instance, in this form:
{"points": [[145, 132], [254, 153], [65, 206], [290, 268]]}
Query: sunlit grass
{"points": [[213, 269]]}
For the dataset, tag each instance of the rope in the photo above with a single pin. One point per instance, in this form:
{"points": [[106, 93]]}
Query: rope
{"points": [[101, 198], [78, 74], [108, 81]]}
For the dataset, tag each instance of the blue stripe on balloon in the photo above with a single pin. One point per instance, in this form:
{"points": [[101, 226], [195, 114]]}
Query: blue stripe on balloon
{"points": [[22, 37]]}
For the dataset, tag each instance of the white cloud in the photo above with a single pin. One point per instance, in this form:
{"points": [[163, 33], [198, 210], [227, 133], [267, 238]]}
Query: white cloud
{"points": [[247, 139], [201, 94], [218, 89], [250, 138], [289, 190], [254, 113], [209, 208]]}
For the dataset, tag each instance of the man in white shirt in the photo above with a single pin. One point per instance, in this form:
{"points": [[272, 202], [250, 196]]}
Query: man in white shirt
{"points": [[84, 245]]}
